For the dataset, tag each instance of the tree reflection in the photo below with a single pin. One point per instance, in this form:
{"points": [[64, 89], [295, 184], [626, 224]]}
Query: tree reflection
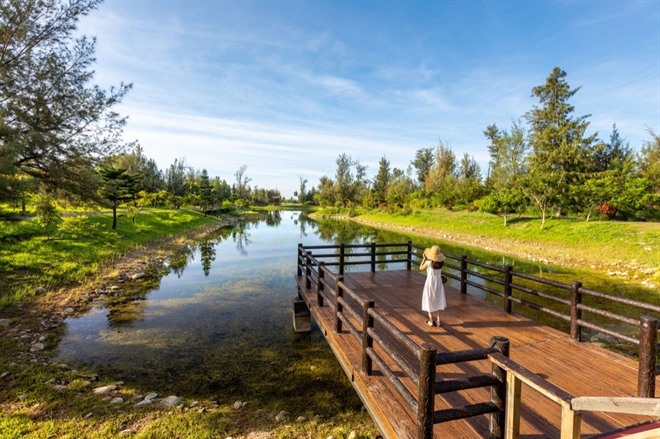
{"points": [[241, 237], [273, 218], [207, 254]]}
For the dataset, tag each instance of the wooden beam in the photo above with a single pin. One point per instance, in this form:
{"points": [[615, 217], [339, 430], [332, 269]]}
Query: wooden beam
{"points": [[634, 406], [512, 412]]}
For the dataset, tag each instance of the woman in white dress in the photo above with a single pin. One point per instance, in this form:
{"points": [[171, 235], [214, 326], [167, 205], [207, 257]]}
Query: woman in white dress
{"points": [[433, 296]]}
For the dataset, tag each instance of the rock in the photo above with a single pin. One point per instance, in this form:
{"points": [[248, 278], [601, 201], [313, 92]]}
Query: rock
{"points": [[170, 401], [41, 290], [143, 403], [37, 347], [353, 435], [22, 397], [105, 389], [89, 415], [301, 419], [137, 276], [69, 311], [4, 375], [281, 416], [239, 404], [117, 400], [4, 323], [194, 404], [151, 396], [60, 387]]}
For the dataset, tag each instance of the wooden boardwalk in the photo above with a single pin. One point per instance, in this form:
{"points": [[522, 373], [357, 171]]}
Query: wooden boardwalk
{"points": [[581, 369]]}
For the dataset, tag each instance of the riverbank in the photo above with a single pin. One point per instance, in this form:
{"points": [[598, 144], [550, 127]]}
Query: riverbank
{"points": [[628, 251], [40, 397]]}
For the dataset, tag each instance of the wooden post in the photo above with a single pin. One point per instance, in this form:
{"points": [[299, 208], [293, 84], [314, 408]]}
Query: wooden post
{"points": [[339, 308], [498, 393], [570, 423], [367, 341], [298, 262], [308, 270], [648, 339], [373, 257], [409, 261], [426, 392], [508, 280], [319, 283], [512, 409], [463, 274], [576, 313], [342, 253]]}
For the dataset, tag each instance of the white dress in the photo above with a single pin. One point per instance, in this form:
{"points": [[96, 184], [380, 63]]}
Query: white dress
{"points": [[433, 295]]}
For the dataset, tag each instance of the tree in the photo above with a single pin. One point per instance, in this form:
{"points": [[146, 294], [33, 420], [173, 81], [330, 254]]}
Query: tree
{"points": [[561, 153], [649, 161], [242, 190], [302, 194], [53, 122], [117, 185], [441, 180], [423, 163], [381, 181], [175, 179], [206, 197], [612, 154], [46, 214]]}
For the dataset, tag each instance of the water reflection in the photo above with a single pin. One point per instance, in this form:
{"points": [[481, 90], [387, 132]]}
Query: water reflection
{"points": [[215, 322]]}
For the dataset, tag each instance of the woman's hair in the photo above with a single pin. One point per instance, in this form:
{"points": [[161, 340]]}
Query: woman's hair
{"points": [[437, 265]]}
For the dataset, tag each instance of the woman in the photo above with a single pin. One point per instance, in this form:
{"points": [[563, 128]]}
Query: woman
{"points": [[433, 296]]}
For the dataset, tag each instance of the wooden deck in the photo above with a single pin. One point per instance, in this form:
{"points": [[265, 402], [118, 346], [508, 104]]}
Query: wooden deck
{"points": [[581, 369]]}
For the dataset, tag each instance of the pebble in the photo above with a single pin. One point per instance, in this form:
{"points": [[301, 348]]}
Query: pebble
{"points": [[239, 404], [352, 435], [281, 416], [105, 389], [301, 419], [4, 375], [117, 400], [4, 323], [89, 415], [37, 347], [170, 401]]}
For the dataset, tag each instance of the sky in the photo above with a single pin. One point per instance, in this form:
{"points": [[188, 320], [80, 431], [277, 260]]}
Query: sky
{"points": [[284, 88]]}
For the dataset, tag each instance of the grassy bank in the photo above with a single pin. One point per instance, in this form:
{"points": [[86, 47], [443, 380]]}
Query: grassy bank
{"points": [[624, 249], [29, 262]]}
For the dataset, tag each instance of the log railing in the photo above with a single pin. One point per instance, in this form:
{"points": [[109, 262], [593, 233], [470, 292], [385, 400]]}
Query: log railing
{"points": [[378, 337], [562, 301]]}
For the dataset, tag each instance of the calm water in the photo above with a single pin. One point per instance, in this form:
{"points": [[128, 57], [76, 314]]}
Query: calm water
{"points": [[218, 324]]}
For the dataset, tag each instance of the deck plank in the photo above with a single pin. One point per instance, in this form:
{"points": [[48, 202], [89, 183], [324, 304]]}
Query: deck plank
{"points": [[582, 369]]}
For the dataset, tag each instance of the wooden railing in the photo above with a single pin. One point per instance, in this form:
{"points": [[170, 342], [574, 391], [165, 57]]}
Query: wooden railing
{"points": [[511, 287], [378, 336]]}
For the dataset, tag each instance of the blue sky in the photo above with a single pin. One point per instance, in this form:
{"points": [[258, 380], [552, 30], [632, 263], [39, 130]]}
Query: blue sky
{"points": [[285, 87]]}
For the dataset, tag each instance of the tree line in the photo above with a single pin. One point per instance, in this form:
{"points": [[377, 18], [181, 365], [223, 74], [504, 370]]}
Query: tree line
{"points": [[60, 138], [545, 162]]}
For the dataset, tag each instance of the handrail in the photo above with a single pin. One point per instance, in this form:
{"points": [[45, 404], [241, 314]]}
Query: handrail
{"points": [[330, 287], [513, 287]]}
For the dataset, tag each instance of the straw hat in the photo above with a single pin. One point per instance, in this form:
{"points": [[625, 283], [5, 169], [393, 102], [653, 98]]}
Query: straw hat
{"points": [[434, 254]]}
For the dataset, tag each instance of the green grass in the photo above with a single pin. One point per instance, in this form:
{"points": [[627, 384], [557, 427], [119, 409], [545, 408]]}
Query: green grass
{"points": [[29, 261], [600, 246]]}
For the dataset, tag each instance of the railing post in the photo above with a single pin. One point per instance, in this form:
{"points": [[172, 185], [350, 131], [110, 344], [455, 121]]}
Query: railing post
{"points": [[319, 283], [426, 392], [367, 341], [576, 312], [508, 280], [339, 308], [373, 257], [498, 393], [308, 270], [648, 339], [463, 274], [409, 261], [298, 262], [342, 253]]}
